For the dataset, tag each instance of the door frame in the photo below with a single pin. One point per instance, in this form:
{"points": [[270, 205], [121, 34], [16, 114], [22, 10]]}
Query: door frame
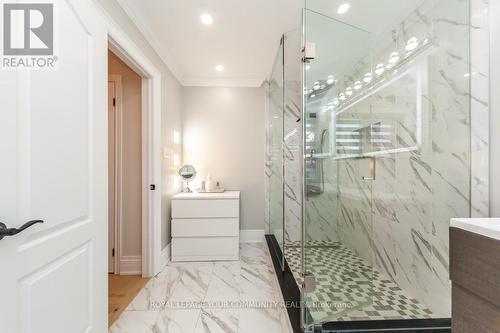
{"points": [[123, 47], [118, 197]]}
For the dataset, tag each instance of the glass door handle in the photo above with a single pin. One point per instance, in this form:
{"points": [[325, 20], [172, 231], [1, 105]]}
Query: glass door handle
{"points": [[4, 231], [373, 170]]}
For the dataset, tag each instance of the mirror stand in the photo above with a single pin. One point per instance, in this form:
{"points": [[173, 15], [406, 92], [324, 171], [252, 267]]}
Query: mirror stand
{"points": [[186, 188], [187, 174]]}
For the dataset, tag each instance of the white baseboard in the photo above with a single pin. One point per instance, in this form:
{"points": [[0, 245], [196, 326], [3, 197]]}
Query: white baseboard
{"points": [[165, 256], [252, 236], [131, 265]]}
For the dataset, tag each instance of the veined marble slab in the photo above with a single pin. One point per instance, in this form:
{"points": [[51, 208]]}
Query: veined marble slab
{"points": [[226, 297]]}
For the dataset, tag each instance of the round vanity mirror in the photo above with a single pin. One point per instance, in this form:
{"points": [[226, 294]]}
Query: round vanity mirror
{"points": [[187, 173]]}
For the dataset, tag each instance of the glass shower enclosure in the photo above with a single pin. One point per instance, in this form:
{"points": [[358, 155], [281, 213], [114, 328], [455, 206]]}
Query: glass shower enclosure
{"points": [[284, 146], [275, 167], [373, 129]]}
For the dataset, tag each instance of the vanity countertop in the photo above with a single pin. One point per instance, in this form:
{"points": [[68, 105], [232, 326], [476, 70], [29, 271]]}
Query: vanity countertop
{"points": [[488, 227], [205, 196]]}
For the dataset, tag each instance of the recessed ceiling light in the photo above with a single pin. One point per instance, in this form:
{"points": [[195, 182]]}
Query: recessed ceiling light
{"points": [[343, 8], [206, 19], [219, 68]]}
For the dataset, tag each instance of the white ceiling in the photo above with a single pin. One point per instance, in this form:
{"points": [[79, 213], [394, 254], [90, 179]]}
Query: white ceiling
{"points": [[244, 36], [373, 16]]}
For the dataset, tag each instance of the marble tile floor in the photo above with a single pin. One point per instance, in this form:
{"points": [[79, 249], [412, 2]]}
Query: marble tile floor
{"points": [[347, 288], [233, 296]]}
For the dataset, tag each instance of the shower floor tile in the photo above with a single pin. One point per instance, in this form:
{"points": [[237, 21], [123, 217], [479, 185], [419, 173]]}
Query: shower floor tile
{"points": [[313, 243], [347, 288]]}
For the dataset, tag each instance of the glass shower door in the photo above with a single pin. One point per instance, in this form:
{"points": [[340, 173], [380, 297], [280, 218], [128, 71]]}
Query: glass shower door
{"points": [[387, 161], [337, 244]]}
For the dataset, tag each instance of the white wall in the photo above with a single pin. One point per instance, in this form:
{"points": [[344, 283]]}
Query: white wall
{"points": [[224, 134], [495, 110], [171, 109]]}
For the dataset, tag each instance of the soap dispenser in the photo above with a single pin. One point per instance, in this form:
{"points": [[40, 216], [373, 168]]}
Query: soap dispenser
{"points": [[210, 184]]}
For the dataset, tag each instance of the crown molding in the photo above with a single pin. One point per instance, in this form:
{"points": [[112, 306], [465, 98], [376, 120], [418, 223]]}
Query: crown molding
{"points": [[158, 47], [229, 83]]}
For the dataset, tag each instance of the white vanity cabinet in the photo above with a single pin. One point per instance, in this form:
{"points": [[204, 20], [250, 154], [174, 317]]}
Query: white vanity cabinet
{"points": [[206, 226]]}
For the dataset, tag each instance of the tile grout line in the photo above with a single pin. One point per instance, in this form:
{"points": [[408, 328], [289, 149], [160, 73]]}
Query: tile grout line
{"points": [[198, 320]]}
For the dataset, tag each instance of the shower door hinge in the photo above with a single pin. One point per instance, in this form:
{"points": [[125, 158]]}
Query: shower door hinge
{"points": [[309, 52], [315, 328], [309, 283]]}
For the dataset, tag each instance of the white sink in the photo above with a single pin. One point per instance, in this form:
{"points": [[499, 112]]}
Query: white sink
{"points": [[489, 227]]}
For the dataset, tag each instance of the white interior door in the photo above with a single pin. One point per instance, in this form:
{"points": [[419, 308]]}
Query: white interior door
{"points": [[53, 151]]}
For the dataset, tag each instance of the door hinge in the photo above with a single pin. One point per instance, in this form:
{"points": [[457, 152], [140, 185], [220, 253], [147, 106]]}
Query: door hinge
{"points": [[113, 252], [152, 187], [309, 52], [309, 283], [114, 101]]}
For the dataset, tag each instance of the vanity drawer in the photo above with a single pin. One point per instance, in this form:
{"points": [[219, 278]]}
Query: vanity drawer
{"points": [[205, 208], [201, 249], [219, 227]]}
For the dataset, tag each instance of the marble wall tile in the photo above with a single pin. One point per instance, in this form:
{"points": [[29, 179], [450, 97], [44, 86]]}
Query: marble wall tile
{"points": [[267, 161], [321, 209], [355, 207], [274, 156], [480, 108], [284, 143], [293, 136]]}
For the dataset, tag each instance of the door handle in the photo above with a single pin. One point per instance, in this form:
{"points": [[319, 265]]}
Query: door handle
{"points": [[373, 170], [4, 231]]}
